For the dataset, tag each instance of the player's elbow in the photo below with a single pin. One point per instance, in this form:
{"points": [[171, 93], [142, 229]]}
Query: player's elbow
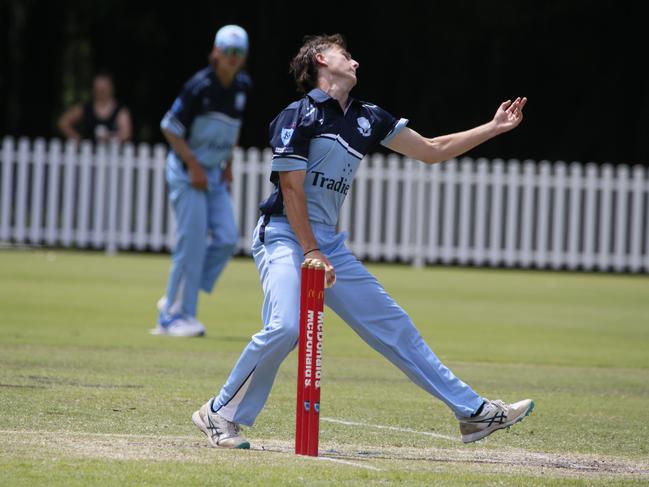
{"points": [[292, 184], [291, 190], [431, 159], [434, 152]]}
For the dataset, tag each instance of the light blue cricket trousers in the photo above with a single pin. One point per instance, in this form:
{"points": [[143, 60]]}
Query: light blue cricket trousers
{"points": [[356, 297], [206, 235]]}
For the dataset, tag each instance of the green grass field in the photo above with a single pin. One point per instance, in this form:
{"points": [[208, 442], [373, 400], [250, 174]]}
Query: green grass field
{"points": [[88, 397]]}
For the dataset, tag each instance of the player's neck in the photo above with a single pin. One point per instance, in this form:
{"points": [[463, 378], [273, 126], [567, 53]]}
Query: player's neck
{"points": [[225, 76], [336, 89]]}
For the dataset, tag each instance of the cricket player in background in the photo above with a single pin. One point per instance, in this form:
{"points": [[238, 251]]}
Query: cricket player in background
{"points": [[318, 143], [202, 128]]}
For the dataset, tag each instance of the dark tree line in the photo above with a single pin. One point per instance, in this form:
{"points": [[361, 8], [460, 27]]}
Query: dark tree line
{"points": [[443, 65]]}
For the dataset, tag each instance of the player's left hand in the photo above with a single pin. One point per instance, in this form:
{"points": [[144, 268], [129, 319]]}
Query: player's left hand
{"points": [[509, 114], [330, 272]]}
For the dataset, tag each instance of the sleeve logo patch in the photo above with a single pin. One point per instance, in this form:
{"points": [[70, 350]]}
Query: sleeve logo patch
{"points": [[364, 126], [286, 135], [240, 101]]}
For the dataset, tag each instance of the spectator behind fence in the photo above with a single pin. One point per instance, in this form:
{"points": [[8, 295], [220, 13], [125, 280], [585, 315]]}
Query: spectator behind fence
{"points": [[101, 119], [202, 127]]}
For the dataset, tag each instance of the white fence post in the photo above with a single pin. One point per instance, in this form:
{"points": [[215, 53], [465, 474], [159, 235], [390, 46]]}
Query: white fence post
{"points": [[375, 211], [391, 205], [142, 196], [99, 195], [69, 191], [604, 255], [527, 214], [511, 237], [481, 214], [85, 194], [466, 188], [448, 232], [21, 190], [7, 187], [542, 242], [646, 230], [574, 223], [635, 259], [589, 237], [126, 198], [53, 193], [558, 229], [496, 231], [158, 203], [621, 194], [419, 215], [37, 192], [114, 163], [433, 213]]}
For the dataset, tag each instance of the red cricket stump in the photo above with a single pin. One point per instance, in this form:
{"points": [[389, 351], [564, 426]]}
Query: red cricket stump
{"points": [[307, 418]]}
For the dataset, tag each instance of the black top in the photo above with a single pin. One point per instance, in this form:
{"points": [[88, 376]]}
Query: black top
{"points": [[94, 128]]}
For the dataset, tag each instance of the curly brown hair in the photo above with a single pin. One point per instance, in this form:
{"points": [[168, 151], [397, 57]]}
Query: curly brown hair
{"points": [[303, 67]]}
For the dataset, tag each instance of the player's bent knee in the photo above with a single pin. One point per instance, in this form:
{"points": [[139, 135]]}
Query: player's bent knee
{"points": [[287, 334]]}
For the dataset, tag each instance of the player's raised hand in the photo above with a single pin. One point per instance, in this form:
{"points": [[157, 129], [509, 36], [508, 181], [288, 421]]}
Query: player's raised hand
{"points": [[509, 114]]}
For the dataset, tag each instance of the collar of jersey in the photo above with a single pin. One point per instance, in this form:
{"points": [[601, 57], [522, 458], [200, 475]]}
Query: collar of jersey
{"points": [[319, 96]]}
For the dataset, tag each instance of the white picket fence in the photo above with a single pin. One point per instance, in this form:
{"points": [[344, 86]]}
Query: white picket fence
{"points": [[485, 213]]}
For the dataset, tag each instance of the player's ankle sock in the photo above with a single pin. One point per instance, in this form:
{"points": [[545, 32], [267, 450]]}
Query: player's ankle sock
{"points": [[478, 411]]}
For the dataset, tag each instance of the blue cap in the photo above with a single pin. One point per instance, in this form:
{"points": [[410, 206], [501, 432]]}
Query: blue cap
{"points": [[231, 36]]}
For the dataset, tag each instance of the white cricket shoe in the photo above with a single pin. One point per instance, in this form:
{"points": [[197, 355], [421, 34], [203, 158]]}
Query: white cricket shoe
{"points": [[495, 415], [179, 326], [196, 323], [185, 326], [175, 324], [220, 432]]}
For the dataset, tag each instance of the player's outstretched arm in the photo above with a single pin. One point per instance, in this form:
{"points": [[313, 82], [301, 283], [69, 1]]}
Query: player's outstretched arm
{"points": [[409, 143]]}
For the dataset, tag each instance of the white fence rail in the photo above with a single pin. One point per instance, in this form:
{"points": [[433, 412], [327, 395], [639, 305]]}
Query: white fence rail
{"points": [[486, 213]]}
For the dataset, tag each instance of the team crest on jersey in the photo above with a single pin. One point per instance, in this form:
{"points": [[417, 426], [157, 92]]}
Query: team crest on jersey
{"points": [[364, 126], [286, 136], [240, 101]]}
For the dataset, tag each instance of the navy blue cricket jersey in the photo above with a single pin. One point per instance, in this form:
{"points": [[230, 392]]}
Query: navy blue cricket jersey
{"points": [[209, 115], [314, 134]]}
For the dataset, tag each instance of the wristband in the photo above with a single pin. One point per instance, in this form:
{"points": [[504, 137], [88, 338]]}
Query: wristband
{"points": [[312, 250]]}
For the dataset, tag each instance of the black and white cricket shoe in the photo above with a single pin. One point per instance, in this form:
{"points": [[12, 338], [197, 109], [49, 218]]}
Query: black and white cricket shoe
{"points": [[495, 415], [220, 432]]}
